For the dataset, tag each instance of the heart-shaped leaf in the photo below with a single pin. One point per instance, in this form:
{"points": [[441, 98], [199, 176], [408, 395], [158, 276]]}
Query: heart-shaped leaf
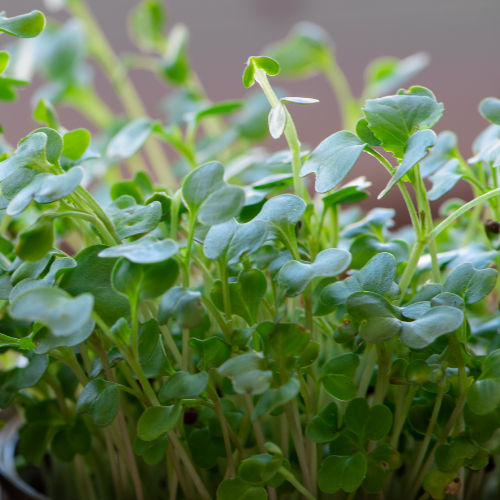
{"points": [[435, 322], [183, 385], [376, 276], [490, 109], [144, 281], [368, 423], [342, 472], [245, 294], [212, 351], [36, 241], [484, 395], [229, 242], [54, 308], [470, 283], [209, 197], [338, 376], [100, 399], [182, 304], [333, 159], [438, 483], [378, 218], [481, 427], [323, 427], [259, 469], [266, 64], [238, 489], [274, 398], [248, 373], [381, 461], [351, 192], [281, 214], [366, 246], [415, 150], [130, 218], [93, 275], [158, 420], [24, 26], [153, 452], [375, 315], [395, 118], [295, 276], [146, 250]]}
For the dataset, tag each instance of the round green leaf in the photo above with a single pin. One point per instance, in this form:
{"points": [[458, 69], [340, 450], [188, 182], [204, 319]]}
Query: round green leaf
{"points": [[146, 250], [342, 472], [157, 420], [184, 305], [183, 385], [100, 399], [323, 428]]}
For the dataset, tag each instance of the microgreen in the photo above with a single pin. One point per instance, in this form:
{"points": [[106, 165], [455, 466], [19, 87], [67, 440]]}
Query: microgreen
{"points": [[218, 323]]}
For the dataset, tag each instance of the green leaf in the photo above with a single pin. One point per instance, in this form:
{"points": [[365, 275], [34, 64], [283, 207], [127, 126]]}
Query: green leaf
{"points": [[149, 333], [376, 276], [46, 113], [385, 74], [260, 468], [295, 276], [438, 483], [218, 108], [415, 149], [381, 461], [266, 64], [444, 150], [395, 118], [245, 294], [35, 241], [303, 52], [277, 120], [130, 218], [324, 427], [35, 441], [470, 283], [238, 489], [209, 197], [45, 340], [212, 351], [71, 440], [332, 160], [182, 304], [351, 192], [448, 456], [338, 376], [376, 219], [24, 26], [281, 215], [16, 379], [45, 188], [342, 472], [444, 179], [146, 23], [153, 452], [175, 62], [100, 399], [146, 250], [93, 275], [368, 423], [484, 395], [76, 143], [366, 246], [274, 398], [229, 242], [375, 315], [481, 427], [490, 109], [54, 308], [144, 281], [183, 385], [127, 142], [157, 420], [248, 373], [437, 321], [308, 355]]}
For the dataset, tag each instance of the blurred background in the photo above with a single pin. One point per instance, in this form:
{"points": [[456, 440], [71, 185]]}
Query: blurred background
{"points": [[461, 37]]}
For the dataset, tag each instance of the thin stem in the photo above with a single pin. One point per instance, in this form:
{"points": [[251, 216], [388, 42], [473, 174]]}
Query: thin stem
{"points": [[185, 350], [401, 417], [292, 480], [290, 133], [371, 356], [335, 225], [117, 75], [411, 266], [226, 296], [465, 208], [428, 434]]}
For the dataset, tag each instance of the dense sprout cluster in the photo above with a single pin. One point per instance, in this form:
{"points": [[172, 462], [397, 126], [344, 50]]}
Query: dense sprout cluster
{"points": [[220, 327]]}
